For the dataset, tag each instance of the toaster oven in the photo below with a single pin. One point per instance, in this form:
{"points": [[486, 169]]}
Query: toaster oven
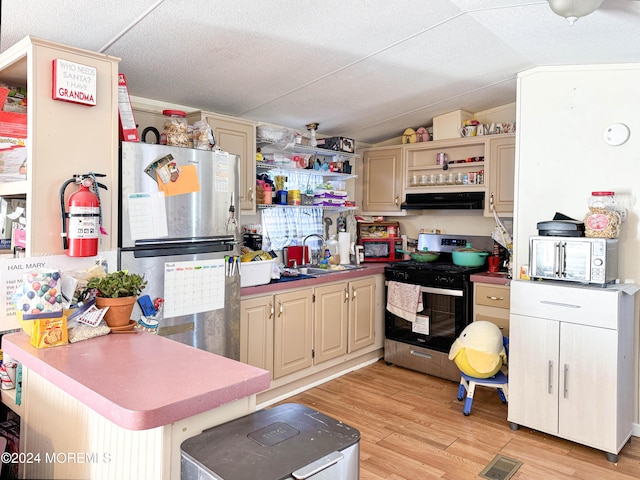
{"points": [[382, 249]]}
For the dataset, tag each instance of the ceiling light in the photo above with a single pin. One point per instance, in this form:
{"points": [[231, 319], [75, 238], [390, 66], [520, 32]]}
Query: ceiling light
{"points": [[572, 10]]}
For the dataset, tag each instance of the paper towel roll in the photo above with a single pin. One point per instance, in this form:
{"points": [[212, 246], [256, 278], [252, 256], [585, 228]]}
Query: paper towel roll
{"points": [[344, 247]]}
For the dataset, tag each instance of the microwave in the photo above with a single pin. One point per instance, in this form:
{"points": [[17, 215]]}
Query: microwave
{"points": [[382, 249], [574, 259]]}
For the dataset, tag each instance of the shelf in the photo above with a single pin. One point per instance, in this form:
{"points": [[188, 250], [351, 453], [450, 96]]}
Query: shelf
{"points": [[262, 206], [306, 149], [8, 397], [452, 188], [303, 171], [462, 165], [13, 188]]}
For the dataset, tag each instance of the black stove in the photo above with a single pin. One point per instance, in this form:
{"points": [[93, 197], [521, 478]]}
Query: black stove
{"points": [[442, 273]]}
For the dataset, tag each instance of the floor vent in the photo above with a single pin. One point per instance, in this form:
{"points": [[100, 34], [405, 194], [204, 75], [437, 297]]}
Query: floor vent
{"points": [[500, 468]]}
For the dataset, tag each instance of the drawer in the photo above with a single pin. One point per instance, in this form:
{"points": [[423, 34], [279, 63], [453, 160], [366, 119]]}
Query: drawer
{"points": [[492, 295], [578, 304], [501, 322]]}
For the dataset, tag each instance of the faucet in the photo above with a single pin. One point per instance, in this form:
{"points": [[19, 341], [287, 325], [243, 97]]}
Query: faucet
{"points": [[304, 243]]}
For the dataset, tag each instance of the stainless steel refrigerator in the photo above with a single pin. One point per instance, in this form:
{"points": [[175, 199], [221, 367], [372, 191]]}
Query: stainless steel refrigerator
{"points": [[179, 219]]}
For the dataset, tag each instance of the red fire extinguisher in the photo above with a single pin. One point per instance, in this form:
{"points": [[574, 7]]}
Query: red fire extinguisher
{"points": [[82, 222]]}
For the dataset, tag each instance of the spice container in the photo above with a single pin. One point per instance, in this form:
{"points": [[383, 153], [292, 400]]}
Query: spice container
{"points": [[175, 129], [603, 220]]}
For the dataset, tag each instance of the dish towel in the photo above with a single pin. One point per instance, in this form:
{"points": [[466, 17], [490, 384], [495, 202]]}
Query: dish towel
{"points": [[404, 300]]}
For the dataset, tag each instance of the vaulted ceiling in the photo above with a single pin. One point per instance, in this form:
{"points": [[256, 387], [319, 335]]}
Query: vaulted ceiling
{"points": [[365, 69]]}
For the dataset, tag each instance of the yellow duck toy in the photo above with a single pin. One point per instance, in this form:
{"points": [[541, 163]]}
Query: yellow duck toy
{"points": [[479, 350]]}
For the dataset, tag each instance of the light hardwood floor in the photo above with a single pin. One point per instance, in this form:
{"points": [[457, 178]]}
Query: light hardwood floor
{"points": [[412, 428]]}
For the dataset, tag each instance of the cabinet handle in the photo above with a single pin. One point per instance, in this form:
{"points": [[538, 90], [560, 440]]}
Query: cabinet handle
{"points": [[495, 298], [280, 308], [396, 200], [558, 304], [271, 311], [354, 294], [251, 194], [566, 381], [346, 294], [491, 201], [550, 377]]}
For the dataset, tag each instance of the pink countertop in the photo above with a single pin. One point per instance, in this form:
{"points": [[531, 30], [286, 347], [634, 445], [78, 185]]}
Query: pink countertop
{"points": [[366, 270], [140, 381], [495, 278]]}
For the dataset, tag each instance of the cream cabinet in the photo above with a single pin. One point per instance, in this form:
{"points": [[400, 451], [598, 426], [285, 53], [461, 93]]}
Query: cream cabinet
{"points": [[344, 318], [571, 363], [491, 303], [256, 327], [500, 175], [63, 139], [301, 328], [330, 313], [362, 314], [382, 177], [238, 136]]}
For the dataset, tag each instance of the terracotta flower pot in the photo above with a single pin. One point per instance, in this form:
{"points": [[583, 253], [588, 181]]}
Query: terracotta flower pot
{"points": [[119, 313]]}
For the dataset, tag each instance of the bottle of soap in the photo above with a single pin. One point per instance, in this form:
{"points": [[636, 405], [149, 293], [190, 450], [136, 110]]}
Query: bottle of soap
{"points": [[334, 259]]}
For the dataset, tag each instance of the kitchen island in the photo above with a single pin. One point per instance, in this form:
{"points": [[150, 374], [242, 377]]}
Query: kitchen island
{"points": [[119, 406]]}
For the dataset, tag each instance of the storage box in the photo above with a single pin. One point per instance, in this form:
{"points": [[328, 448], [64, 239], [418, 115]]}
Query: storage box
{"points": [[338, 144], [255, 273], [449, 124]]}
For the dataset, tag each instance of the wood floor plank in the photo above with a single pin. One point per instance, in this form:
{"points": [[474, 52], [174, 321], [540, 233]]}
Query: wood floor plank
{"points": [[412, 428]]}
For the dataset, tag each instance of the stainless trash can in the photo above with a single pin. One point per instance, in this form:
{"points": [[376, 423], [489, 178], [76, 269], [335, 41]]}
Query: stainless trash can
{"points": [[290, 441]]}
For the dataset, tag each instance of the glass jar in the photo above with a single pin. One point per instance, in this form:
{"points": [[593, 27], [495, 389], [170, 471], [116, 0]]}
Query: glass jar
{"points": [[603, 219], [175, 129]]}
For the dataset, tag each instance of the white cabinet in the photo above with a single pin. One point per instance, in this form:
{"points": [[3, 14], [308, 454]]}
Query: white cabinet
{"points": [[63, 139], [571, 362], [500, 175], [330, 313]]}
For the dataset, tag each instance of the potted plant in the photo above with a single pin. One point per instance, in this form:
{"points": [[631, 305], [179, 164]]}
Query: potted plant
{"points": [[118, 291]]}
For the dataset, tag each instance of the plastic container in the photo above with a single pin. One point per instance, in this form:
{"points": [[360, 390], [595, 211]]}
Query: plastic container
{"points": [[255, 273], [175, 131], [603, 219]]}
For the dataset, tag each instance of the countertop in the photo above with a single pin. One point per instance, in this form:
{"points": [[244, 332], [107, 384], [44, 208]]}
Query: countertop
{"points": [[499, 278], [140, 381], [274, 287]]}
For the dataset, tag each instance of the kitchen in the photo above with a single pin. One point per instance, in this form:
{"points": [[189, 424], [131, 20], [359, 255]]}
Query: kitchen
{"points": [[479, 225]]}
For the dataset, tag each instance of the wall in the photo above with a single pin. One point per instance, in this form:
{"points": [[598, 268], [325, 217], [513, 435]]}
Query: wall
{"points": [[561, 156], [448, 222]]}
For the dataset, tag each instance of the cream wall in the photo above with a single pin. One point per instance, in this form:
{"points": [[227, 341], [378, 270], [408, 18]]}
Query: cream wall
{"points": [[448, 222]]}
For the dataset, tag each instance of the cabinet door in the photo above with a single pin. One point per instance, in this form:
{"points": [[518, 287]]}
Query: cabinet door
{"points": [[256, 332], [382, 180], [330, 321], [533, 372], [362, 313], [501, 164], [589, 385], [293, 333], [239, 137]]}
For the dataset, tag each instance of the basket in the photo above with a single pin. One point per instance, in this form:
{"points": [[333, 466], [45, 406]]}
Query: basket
{"points": [[306, 199]]}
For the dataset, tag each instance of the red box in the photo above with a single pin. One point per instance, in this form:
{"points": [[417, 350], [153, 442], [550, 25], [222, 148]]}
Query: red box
{"points": [[128, 128]]}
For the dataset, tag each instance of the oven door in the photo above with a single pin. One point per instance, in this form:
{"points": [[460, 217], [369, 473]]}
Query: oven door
{"points": [[442, 319]]}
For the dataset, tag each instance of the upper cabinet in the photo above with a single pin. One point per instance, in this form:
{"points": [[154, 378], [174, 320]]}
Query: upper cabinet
{"points": [[238, 136], [63, 139], [382, 177], [482, 163]]}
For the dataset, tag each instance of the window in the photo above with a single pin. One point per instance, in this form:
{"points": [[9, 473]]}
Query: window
{"points": [[288, 226]]}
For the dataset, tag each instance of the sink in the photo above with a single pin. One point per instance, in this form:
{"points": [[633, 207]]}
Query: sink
{"points": [[313, 270]]}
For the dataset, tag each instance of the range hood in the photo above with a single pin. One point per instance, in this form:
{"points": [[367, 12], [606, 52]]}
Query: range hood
{"points": [[444, 201]]}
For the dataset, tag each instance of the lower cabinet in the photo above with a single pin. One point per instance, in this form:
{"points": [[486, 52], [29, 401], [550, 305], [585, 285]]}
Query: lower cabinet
{"points": [[294, 330], [491, 303], [571, 363]]}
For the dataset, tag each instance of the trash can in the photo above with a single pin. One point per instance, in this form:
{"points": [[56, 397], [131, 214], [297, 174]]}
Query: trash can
{"points": [[290, 441]]}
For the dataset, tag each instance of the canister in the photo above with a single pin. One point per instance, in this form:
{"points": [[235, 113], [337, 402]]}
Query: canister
{"points": [[294, 197]]}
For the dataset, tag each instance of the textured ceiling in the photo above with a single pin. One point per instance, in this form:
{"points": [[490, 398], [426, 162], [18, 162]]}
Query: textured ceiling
{"points": [[365, 69]]}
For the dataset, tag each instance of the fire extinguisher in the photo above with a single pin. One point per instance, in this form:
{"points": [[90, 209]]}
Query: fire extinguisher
{"points": [[82, 222]]}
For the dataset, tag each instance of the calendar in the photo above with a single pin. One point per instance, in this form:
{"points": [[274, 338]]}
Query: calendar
{"points": [[193, 287]]}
